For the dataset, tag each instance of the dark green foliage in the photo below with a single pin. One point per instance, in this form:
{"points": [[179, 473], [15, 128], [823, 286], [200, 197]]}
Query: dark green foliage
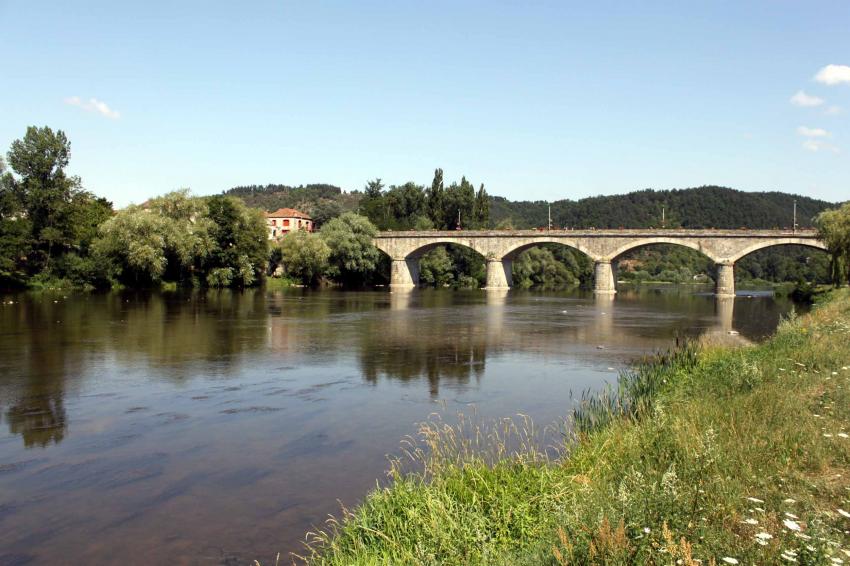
{"points": [[702, 207], [241, 243], [45, 215], [552, 267]]}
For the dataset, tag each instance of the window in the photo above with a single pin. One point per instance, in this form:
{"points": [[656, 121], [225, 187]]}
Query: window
{"points": [[274, 233], [274, 222], [286, 222]]}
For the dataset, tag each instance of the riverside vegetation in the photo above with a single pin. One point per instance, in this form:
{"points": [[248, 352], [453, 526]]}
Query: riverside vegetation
{"points": [[708, 455], [55, 234]]}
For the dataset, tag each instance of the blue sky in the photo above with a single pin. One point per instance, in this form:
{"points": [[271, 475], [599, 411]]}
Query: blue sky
{"points": [[537, 100]]}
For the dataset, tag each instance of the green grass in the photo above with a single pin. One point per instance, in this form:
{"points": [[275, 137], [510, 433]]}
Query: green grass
{"points": [[685, 462]]}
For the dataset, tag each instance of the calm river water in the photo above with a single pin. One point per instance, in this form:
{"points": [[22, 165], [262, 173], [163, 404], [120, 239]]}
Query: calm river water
{"points": [[219, 427]]}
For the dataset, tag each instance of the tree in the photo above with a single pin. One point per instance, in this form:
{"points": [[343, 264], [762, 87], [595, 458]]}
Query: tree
{"points": [[436, 268], [43, 191], [834, 228], [15, 231], [459, 202], [304, 256], [372, 205], [481, 209], [241, 242], [353, 256], [436, 198]]}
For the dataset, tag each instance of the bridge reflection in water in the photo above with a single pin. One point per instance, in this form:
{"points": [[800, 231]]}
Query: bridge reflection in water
{"points": [[418, 343]]}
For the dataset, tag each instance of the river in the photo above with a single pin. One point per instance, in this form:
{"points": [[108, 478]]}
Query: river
{"points": [[219, 427]]}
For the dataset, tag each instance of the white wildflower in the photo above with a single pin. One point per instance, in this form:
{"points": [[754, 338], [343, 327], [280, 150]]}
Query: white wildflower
{"points": [[764, 536], [647, 530], [750, 521], [843, 513], [802, 536], [791, 525], [842, 435], [755, 500], [827, 435], [789, 500], [791, 515], [729, 560]]}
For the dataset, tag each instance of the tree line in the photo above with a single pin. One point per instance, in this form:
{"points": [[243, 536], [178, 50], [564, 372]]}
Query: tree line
{"points": [[54, 232]]}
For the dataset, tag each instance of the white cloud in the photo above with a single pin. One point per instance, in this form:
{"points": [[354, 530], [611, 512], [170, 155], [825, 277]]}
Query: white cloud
{"points": [[93, 105], [803, 99], [833, 75], [813, 132], [834, 110], [818, 145]]}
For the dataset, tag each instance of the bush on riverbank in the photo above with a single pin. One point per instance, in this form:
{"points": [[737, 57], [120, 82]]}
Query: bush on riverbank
{"points": [[715, 455]]}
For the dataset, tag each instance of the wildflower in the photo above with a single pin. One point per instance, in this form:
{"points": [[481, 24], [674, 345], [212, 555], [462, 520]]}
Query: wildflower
{"points": [[761, 542], [647, 530], [836, 560], [729, 560], [843, 435], [843, 513], [764, 536], [802, 536], [755, 500], [750, 521], [791, 525], [789, 500], [790, 515], [827, 435]]}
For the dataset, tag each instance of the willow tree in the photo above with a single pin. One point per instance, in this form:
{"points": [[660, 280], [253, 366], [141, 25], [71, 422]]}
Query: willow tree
{"points": [[834, 229]]}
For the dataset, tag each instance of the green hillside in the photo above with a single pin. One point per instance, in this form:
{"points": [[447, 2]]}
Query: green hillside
{"points": [[701, 207]]}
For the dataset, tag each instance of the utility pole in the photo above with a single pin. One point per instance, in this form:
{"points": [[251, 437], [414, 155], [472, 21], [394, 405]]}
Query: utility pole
{"points": [[550, 218], [795, 216], [663, 217], [458, 219]]}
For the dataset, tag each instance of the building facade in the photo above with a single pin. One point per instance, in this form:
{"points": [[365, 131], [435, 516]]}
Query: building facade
{"points": [[286, 220]]}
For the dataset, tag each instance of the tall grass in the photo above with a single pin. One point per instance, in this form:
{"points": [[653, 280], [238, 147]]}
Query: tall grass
{"points": [[706, 455]]}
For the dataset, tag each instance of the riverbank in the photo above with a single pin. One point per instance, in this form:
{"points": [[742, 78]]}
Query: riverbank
{"points": [[714, 455]]}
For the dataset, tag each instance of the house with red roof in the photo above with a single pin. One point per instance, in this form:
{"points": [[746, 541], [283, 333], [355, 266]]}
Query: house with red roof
{"points": [[285, 220]]}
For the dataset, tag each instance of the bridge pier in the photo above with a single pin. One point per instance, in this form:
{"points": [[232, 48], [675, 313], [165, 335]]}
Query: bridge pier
{"points": [[404, 273], [499, 274], [603, 278], [725, 283]]}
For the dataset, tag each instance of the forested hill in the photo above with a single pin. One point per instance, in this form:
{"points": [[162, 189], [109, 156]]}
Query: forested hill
{"points": [[702, 207]]}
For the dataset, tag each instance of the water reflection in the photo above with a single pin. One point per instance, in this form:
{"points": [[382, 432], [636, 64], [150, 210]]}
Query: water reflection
{"points": [[183, 421]]}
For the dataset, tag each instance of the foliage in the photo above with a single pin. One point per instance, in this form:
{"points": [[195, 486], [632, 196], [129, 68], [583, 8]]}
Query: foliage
{"points": [[656, 472], [834, 228], [701, 207], [353, 257], [540, 268], [177, 237], [241, 244], [45, 214], [304, 256]]}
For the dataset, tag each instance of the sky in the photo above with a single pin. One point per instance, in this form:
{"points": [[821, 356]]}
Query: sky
{"points": [[537, 100]]}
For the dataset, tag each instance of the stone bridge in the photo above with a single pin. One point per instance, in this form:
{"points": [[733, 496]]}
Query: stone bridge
{"points": [[604, 247]]}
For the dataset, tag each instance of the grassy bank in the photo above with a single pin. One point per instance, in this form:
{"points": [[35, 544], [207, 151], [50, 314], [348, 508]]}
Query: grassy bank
{"points": [[707, 456]]}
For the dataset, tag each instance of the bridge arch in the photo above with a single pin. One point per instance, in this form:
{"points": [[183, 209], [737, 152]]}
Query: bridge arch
{"points": [[643, 242], [405, 256], [512, 252], [815, 244]]}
